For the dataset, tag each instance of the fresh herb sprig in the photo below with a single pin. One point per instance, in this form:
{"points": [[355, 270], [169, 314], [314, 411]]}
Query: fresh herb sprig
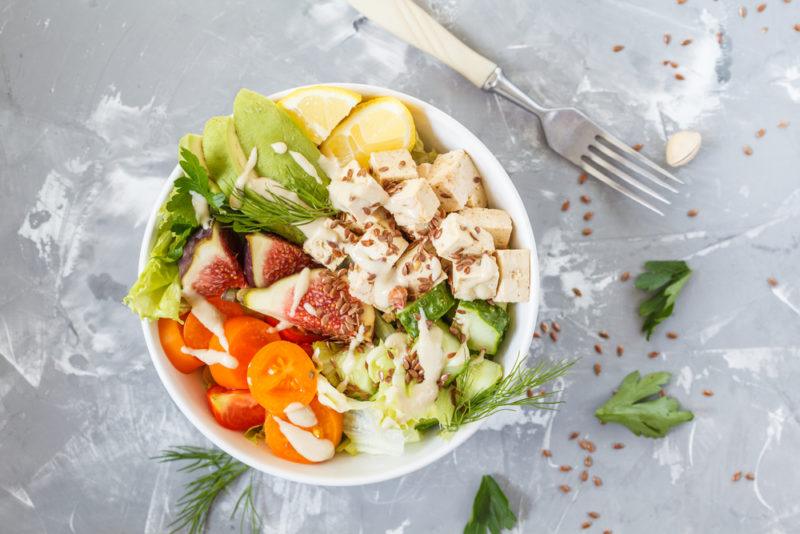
{"points": [[519, 387], [636, 405], [221, 471], [490, 510], [665, 279]]}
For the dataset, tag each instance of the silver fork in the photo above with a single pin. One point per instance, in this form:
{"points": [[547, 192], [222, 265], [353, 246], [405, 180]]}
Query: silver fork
{"points": [[568, 132]]}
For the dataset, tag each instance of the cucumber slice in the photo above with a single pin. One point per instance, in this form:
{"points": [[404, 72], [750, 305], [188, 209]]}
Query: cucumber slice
{"points": [[383, 329], [456, 363], [484, 324], [481, 375], [435, 303]]}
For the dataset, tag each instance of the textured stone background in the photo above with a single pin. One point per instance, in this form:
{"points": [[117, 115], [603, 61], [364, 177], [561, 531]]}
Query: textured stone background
{"points": [[94, 96]]}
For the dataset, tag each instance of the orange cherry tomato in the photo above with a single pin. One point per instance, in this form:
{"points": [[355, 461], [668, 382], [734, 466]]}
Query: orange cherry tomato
{"points": [[195, 335], [171, 336], [297, 335], [227, 308], [282, 373], [245, 335], [329, 426], [235, 409]]}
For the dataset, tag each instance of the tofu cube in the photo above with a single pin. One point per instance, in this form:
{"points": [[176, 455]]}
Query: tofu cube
{"points": [[457, 237], [454, 177], [357, 193], [413, 204], [393, 166], [361, 225], [418, 270], [361, 284], [477, 197], [475, 278], [327, 241], [515, 276], [378, 249], [496, 222], [424, 170]]}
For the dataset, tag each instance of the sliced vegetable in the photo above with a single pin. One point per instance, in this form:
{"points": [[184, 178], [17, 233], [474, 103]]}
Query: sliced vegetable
{"points": [[482, 323], [481, 375], [246, 336], [435, 303], [298, 335], [228, 309], [169, 332], [195, 335], [282, 373], [329, 426], [234, 409]]}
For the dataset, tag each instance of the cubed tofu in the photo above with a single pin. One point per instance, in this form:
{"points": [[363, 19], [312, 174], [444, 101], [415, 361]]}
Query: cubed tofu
{"points": [[477, 197], [360, 284], [359, 226], [475, 277], [419, 269], [457, 236], [348, 171], [413, 204], [378, 249], [496, 222], [424, 170], [393, 166], [454, 177], [357, 193], [515, 275], [327, 241]]}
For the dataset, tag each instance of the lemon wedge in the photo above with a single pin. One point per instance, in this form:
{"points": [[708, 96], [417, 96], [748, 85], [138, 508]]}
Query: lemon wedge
{"points": [[382, 123], [319, 108]]}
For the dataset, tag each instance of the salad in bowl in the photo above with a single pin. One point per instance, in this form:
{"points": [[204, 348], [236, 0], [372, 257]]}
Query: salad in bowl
{"points": [[332, 292]]}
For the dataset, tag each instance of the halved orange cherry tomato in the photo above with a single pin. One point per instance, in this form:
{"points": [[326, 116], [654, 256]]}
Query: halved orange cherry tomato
{"points": [[171, 336], [282, 373], [195, 334], [296, 335], [329, 426], [227, 308], [245, 335], [235, 409]]}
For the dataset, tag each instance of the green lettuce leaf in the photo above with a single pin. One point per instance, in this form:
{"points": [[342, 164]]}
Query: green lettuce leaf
{"points": [[157, 291]]}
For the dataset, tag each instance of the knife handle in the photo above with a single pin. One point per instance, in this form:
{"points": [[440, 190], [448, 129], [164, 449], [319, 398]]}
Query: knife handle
{"points": [[410, 23]]}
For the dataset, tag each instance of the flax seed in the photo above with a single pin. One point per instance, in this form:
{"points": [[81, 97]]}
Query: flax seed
{"points": [[585, 199], [547, 453], [618, 446], [720, 38], [556, 326], [750, 476], [638, 147], [737, 476], [667, 38], [586, 524], [588, 216], [565, 205], [785, 124], [761, 7], [624, 277], [618, 48], [577, 292], [584, 476], [748, 150], [598, 349], [536, 335], [607, 532], [672, 335], [772, 281], [573, 435], [653, 354], [564, 488], [692, 212], [565, 468], [588, 461], [587, 445], [554, 336], [743, 12], [679, 77], [620, 350], [686, 42], [593, 515], [708, 393], [544, 327], [603, 334], [797, 27], [597, 481], [582, 178], [597, 368], [760, 133]]}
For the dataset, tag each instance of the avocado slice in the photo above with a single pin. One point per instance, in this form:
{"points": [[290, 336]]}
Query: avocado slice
{"points": [[260, 123], [435, 303], [484, 324], [224, 157], [194, 144]]}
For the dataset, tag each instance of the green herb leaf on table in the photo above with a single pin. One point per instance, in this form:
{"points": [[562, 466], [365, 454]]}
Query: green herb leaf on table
{"points": [[490, 510], [519, 387], [221, 471], [665, 279], [638, 406]]}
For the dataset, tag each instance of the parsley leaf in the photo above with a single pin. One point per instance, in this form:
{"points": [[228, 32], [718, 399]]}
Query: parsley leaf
{"points": [[490, 511], [636, 405], [665, 279]]}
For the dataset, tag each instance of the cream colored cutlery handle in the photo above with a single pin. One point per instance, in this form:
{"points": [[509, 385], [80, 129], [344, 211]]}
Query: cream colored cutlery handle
{"points": [[410, 23]]}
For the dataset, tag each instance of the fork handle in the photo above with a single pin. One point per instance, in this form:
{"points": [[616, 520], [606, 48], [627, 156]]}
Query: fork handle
{"points": [[410, 23]]}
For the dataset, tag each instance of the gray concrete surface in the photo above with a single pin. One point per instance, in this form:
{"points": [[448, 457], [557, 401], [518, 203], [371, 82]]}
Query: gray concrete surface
{"points": [[94, 96]]}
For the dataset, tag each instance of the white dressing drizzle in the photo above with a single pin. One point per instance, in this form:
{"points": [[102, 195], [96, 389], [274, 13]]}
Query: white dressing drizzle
{"points": [[305, 165], [212, 357], [241, 181], [300, 288], [301, 415], [279, 147], [329, 165], [209, 316], [282, 325], [349, 361], [200, 205], [305, 443]]}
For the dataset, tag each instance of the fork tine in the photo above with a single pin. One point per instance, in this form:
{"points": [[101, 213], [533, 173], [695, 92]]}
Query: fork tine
{"points": [[610, 139], [625, 176], [588, 166], [626, 162]]}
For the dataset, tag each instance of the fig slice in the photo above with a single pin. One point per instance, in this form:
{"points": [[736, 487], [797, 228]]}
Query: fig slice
{"points": [[325, 307], [209, 264], [269, 258]]}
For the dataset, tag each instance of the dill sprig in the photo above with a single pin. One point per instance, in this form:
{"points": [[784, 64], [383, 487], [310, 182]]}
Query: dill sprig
{"points": [[519, 387], [198, 498]]}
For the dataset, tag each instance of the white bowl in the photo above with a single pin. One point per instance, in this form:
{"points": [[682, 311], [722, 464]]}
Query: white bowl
{"points": [[444, 133]]}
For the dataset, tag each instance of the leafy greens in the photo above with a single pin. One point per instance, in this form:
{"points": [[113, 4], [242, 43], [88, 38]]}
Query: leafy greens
{"points": [[665, 279], [636, 405], [490, 510]]}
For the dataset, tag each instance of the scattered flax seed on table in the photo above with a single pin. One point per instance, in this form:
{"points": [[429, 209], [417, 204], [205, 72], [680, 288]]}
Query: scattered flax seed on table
{"points": [[667, 38], [585, 199], [565, 468], [679, 76], [760, 133], [555, 326], [785, 124], [761, 7], [607, 532], [772, 281], [708, 393], [797, 27], [573, 435], [547, 453], [603, 334], [618, 446], [672, 335], [692, 212], [743, 12], [593, 515], [620, 350], [598, 349], [737, 476], [686, 42], [597, 481], [536, 335], [588, 461], [597, 369], [624, 277], [586, 524], [584, 476], [618, 48], [565, 205], [588, 216], [638, 147], [653, 354], [577, 292], [544, 327], [554, 336], [750, 476], [564, 488], [587, 445], [586, 232], [748, 150], [582, 178]]}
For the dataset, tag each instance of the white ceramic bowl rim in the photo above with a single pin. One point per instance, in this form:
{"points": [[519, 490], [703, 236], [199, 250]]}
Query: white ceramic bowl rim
{"points": [[238, 447]]}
